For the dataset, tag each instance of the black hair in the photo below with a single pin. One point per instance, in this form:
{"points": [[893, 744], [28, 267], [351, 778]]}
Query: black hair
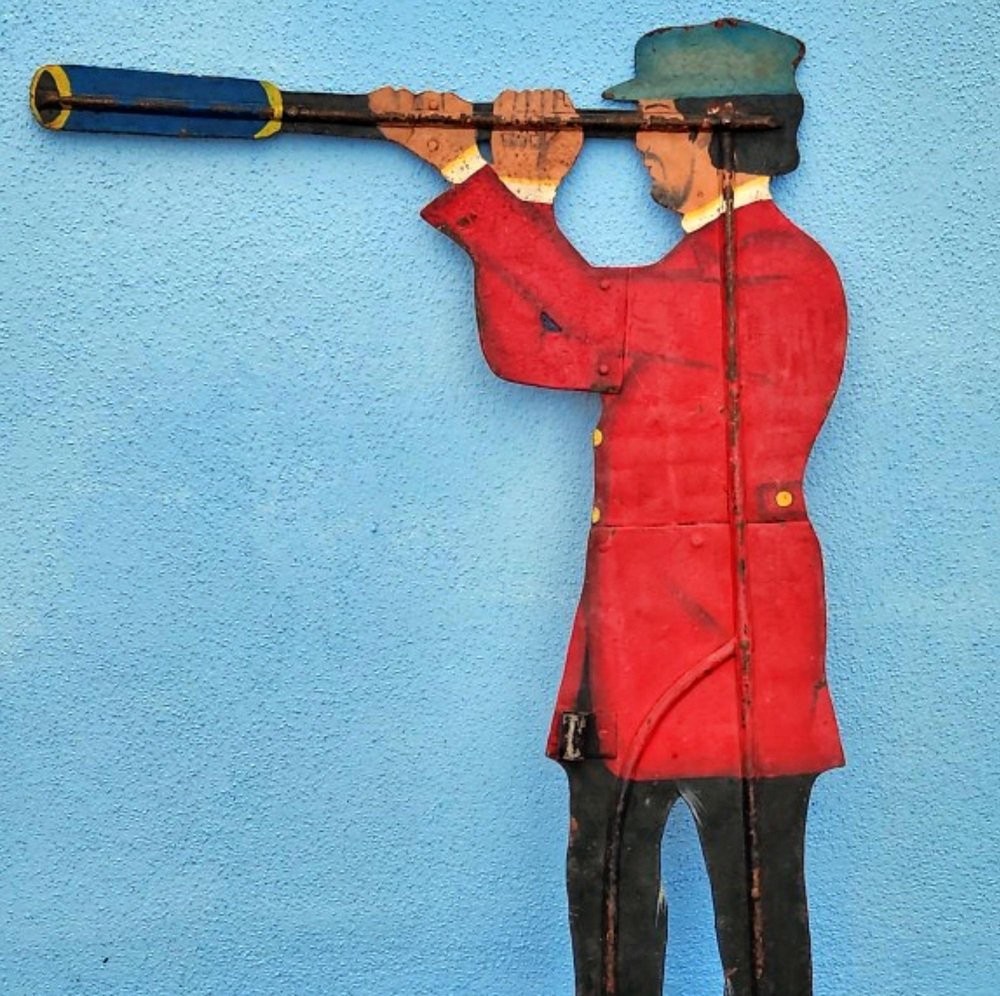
{"points": [[764, 153]]}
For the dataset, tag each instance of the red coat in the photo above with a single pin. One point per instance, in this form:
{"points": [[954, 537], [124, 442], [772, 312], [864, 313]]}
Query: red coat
{"points": [[654, 657]]}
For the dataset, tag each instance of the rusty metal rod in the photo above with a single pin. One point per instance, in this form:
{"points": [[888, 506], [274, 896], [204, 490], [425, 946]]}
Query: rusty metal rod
{"points": [[343, 110], [596, 123]]}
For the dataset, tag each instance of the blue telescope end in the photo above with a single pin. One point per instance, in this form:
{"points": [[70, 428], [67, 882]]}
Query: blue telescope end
{"points": [[90, 98]]}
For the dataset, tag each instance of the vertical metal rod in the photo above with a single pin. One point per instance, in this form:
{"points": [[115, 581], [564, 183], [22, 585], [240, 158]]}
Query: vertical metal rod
{"points": [[737, 521]]}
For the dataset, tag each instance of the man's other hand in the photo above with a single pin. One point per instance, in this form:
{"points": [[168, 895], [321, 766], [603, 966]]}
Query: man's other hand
{"points": [[533, 162], [440, 145]]}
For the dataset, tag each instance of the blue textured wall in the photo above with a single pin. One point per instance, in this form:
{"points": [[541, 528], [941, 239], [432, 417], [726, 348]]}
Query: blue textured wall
{"points": [[287, 575]]}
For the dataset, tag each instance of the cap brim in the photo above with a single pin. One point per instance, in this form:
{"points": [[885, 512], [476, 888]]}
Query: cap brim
{"points": [[633, 89]]}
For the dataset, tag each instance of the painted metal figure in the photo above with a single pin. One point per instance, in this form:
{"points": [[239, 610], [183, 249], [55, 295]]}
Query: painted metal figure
{"points": [[695, 668]]}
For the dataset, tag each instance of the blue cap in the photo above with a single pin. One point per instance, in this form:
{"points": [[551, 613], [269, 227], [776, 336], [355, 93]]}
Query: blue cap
{"points": [[726, 58]]}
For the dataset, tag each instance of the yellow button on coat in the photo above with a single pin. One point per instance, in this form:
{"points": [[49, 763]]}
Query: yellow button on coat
{"points": [[595, 515], [783, 499], [598, 437]]}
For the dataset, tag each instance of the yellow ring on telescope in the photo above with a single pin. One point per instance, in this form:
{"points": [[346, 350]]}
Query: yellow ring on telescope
{"points": [[61, 81], [277, 108]]}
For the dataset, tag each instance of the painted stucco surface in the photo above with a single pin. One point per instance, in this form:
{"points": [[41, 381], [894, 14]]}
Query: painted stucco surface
{"points": [[286, 575]]}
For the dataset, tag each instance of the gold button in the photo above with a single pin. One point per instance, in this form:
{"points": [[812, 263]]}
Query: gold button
{"points": [[595, 515], [603, 369], [598, 437], [783, 499]]}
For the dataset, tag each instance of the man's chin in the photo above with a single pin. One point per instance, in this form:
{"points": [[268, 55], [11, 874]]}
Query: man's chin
{"points": [[669, 199]]}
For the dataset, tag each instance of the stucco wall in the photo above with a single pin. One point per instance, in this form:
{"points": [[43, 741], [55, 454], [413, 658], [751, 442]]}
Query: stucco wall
{"points": [[287, 574]]}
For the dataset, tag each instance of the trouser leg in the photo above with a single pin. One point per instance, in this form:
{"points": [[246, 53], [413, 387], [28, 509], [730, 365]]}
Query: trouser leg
{"points": [[787, 964], [641, 910], [778, 962], [591, 803]]}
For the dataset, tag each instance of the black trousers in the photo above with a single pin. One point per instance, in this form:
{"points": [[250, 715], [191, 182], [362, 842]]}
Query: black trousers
{"points": [[781, 964]]}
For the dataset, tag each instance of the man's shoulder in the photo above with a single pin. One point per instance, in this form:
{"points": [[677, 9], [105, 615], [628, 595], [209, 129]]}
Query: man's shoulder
{"points": [[767, 239]]}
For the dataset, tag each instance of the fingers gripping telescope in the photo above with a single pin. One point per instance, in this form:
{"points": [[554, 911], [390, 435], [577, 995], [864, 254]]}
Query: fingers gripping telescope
{"points": [[129, 101]]}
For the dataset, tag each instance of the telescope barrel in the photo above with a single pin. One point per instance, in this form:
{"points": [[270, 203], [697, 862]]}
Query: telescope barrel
{"points": [[129, 101]]}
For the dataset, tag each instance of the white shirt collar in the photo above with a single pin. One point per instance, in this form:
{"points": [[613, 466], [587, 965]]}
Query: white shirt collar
{"points": [[757, 189]]}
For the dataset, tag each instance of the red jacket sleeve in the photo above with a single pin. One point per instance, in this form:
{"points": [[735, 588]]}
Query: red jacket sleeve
{"points": [[546, 316]]}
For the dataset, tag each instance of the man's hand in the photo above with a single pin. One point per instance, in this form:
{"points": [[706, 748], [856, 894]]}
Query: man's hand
{"points": [[533, 163], [441, 146]]}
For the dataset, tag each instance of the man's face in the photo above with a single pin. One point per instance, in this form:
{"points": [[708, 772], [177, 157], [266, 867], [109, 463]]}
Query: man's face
{"points": [[674, 159]]}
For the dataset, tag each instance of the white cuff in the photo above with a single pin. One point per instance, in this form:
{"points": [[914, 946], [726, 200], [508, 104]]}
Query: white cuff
{"points": [[463, 165], [539, 191]]}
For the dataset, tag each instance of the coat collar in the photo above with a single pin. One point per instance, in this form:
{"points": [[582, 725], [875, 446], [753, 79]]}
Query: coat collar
{"points": [[757, 189]]}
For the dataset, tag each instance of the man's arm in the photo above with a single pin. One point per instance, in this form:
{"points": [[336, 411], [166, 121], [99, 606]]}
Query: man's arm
{"points": [[546, 317]]}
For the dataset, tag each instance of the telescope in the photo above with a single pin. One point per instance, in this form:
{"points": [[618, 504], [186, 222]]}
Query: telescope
{"points": [[129, 101]]}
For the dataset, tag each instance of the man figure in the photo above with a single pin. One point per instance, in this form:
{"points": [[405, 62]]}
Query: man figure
{"points": [[696, 663]]}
